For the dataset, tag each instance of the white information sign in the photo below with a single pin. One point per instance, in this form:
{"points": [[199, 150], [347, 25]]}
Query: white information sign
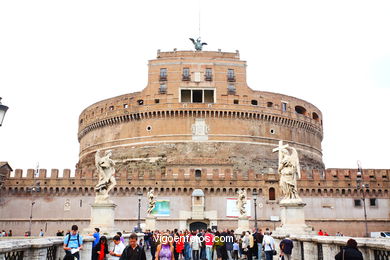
{"points": [[231, 209]]}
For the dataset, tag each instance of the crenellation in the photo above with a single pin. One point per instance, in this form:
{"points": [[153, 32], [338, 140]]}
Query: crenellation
{"points": [[30, 173], [42, 174], [66, 174], [18, 174]]}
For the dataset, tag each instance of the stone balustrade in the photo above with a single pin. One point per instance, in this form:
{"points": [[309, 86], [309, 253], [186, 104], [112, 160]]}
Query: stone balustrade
{"points": [[326, 247], [46, 248]]}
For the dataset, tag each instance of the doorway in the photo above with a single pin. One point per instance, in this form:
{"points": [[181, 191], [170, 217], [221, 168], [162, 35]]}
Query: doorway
{"points": [[198, 225]]}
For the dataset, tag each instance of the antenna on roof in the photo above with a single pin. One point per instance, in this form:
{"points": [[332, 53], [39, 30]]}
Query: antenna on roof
{"points": [[199, 16]]}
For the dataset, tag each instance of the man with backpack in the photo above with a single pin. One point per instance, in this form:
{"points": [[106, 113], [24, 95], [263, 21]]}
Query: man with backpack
{"points": [[73, 243]]}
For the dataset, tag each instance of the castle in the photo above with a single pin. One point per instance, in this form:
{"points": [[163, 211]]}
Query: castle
{"points": [[196, 134]]}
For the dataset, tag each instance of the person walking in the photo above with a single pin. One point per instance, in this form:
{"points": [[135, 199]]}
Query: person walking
{"points": [[73, 243], [195, 245], [251, 246], [229, 241], [286, 246], [100, 250], [259, 243], [209, 240], [349, 252], [236, 249], [269, 245], [133, 251], [116, 253]]}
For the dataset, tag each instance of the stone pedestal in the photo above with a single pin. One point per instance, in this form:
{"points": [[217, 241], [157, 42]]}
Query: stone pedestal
{"points": [[103, 217], [243, 225], [150, 222], [292, 218]]}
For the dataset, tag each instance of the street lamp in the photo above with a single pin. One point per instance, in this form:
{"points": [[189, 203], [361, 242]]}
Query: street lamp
{"points": [[139, 193], [35, 188], [3, 110], [254, 193], [361, 186]]}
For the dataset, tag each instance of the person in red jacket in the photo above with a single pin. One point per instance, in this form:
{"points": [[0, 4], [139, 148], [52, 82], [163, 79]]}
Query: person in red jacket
{"points": [[320, 233]]}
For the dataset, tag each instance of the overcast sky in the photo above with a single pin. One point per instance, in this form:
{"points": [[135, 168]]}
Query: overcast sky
{"points": [[58, 57]]}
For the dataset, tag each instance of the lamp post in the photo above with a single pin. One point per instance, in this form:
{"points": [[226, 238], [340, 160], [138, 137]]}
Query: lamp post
{"points": [[3, 110], [35, 188], [254, 193], [361, 186], [139, 193]]}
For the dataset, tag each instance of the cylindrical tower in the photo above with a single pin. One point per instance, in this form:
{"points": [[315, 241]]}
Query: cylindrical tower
{"points": [[197, 108]]}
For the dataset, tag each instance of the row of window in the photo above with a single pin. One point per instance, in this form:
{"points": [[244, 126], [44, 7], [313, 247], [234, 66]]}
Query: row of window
{"points": [[373, 202], [208, 75]]}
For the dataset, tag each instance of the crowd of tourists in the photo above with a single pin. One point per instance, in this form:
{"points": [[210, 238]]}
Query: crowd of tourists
{"points": [[192, 245]]}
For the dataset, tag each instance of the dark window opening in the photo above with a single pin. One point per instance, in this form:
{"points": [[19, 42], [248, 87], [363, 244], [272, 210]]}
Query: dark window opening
{"points": [[198, 173], [197, 96], [284, 107], [357, 203], [235, 101], [231, 89], [140, 102], [156, 101], [163, 89], [111, 108], [208, 75], [271, 194], [230, 75], [373, 202], [254, 102], [270, 104], [81, 121], [125, 105], [315, 116], [300, 110], [209, 96], [186, 74], [163, 74], [185, 95]]}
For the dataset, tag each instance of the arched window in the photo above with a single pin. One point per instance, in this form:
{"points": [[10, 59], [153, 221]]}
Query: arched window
{"points": [[300, 110], [271, 193]]}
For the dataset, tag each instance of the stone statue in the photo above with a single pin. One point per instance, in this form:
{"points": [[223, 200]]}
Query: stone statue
{"points": [[152, 201], [198, 44], [241, 202], [106, 175], [289, 171]]}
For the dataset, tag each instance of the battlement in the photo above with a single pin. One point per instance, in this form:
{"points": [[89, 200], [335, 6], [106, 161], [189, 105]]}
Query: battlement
{"points": [[331, 174]]}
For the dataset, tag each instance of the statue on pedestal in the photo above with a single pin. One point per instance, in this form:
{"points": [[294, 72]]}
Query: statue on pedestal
{"points": [[241, 202], [106, 176], [289, 171], [152, 201]]}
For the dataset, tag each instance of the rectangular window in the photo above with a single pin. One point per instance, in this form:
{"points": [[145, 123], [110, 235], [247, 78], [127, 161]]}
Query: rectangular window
{"points": [[185, 95], [284, 107], [373, 202], [186, 74], [208, 96], [231, 89], [197, 95], [230, 75], [163, 89], [208, 75], [163, 74], [357, 203]]}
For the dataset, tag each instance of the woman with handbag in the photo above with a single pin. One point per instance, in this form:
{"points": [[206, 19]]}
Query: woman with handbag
{"points": [[269, 246]]}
